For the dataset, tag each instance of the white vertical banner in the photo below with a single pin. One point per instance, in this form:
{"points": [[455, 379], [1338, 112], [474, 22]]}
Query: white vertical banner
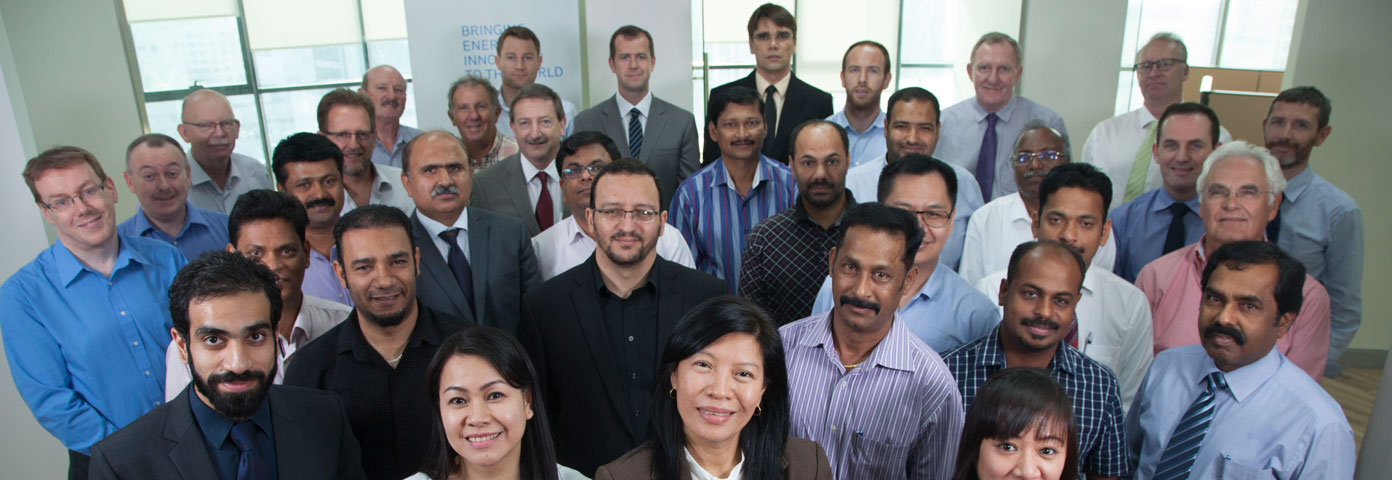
{"points": [[453, 38], [671, 32]]}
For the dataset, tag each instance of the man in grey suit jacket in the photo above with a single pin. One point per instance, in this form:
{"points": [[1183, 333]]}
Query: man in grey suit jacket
{"points": [[481, 273], [660, 134], [525, 185]]}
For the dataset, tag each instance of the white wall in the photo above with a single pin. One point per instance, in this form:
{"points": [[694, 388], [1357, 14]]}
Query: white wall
{"points": [[1071, 50], [671, 31]]}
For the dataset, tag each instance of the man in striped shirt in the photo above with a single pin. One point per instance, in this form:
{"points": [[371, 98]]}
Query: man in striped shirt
{"points": [[879, 400]]}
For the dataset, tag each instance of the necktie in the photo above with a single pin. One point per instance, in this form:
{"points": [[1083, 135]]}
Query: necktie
{"points": [[545, 216], [986, 159], [770, 122], [1175, 237], [251, 465], [1135, 183], [1072, 336], [1273, 228], [635, 133], [458, 264], [1188, 436]]}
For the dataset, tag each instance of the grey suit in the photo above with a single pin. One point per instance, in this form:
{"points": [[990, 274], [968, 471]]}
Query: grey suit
{"points": [[503, 264], [502, 188], [670, 143]]}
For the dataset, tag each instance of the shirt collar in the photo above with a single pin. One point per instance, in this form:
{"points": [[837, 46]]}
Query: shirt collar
{"points": [[1003, 114], [1297, 185], [1143, 118], [722, 174], [601, 287], [1246, 379], [435, 228], [197, 176], [1163, 200], [571, 232], [700, 473], [529, 170], [69, 266], [217, 427], [893, 351], [840, 119], [1017, 209], [993, 354], [354, 342], [644, 105], [763, 85]]}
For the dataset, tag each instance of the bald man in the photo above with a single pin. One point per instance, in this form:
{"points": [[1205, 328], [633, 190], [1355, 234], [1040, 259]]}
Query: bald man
{"points": [[387, 89], [218, 176]]}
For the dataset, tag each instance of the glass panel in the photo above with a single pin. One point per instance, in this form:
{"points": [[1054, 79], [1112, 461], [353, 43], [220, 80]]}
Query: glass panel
{"points": [[1128, 93], [723, 76], [176, 54], [408, 115], [166, 116], [290, 112], [929, 45], [390, 52], [938, 80], [1258, 34], [273, 24], [308, 65], [1195, 21]]}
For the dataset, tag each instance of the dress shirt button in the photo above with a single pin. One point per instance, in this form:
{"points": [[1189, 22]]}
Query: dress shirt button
{"points": [[123, 313], [633, 376], [630, 338], [147, 373], [833, 428], [135, 344]]}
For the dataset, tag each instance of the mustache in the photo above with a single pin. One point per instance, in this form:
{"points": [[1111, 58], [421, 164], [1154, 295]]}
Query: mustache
{"points": [[1040, 322], [320, 202], [537, 140], [858, 303], [1228, 330], [1035, 173], [390, 102], [444, 189], [215, 379]]}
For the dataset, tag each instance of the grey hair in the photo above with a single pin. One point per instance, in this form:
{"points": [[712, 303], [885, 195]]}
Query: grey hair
{"points": [[1168, 37], [472, 81], [1275, 180], [1038, 124]]}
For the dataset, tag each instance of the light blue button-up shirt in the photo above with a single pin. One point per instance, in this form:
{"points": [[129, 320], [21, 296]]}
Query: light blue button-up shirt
{"points": [[1323, 228], [380, 156], [203, 231], [864, 146], [1139, 228], [945, 314], [87, 351]]}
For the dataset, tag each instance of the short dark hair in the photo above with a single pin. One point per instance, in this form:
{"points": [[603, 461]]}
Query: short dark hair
{"points": [[424, 136], [506, 355], [218, 274], [154, 140], [775, 13], [303, 147], [518, 31], [630, 31], [916, 164], [371, 216], [1307, 95], [1076, 175], [579, 140], [817, 122], [878, 217], [762, 439], [1290, 282], [625, 166], [737, 95], [262, 204], [542, 92], [914, 94], [343, 96], [1028, 247], [1011, 402], [1190, 108], [883, 51], [57, 158], [472, 80]]}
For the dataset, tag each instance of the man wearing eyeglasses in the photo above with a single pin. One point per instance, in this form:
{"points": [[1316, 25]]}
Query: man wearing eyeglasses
{"points": [[86, 322], [595, 332], [1122, 146], [217, 174], [1240, 190], [347, 118], [569, 243], [997, 227]]}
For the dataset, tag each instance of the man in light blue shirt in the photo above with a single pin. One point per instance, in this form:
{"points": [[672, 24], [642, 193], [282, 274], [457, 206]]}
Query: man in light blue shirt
{"points": [[865, 74], [1266, 417], [387, 89], [944, 311], [86, 322], [1319, 224], [158, 173]]}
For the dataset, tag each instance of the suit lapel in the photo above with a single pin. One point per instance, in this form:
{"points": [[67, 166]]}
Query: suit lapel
{"points": [[793, 104], [656, 122], [669, 301], [479, 230], [189, 453], [614, 125], [515, 185], [435, 268], [585, 299], [292, 441]]}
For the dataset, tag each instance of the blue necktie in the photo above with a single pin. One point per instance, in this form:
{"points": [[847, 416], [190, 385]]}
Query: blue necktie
{"points": [[460, 265], [251, 465], [986, 159], [635, 133], [1188, 436]]}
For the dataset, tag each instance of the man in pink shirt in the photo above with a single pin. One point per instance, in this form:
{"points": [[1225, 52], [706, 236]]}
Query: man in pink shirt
{"points": [[1239, 190]]}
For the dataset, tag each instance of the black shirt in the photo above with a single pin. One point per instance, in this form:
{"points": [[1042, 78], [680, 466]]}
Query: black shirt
{"points": [[632, 326], [390, 410]]}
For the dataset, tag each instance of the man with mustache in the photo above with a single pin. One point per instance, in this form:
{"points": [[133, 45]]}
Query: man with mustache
{"points": [[865, 73], [595, 332], [521, 185], [1005, 222], [785, 254], [1123, 146], [217, 174], [1318, 224], [1038, 296], [308, 167], [879, 400], [233, 423], [376, 360], [269, 227], [911, 126], [158, 174], [977, 133], [387, 89], [1164, 219], [569, 243], [1235, 407], [1239, 190], [518, 61], [348, 118], [473, 110], [475, 264]]}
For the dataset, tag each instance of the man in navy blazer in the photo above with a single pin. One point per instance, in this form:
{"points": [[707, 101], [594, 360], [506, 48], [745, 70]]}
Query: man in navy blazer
{"points": [[788, 101]]}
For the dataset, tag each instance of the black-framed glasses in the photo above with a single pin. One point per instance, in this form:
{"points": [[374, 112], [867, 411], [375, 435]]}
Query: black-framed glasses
{"points": [[617, 215], [574, 172], [88, 195], [1047, 156], [1164, 64], [343, 136], [934, 218]]}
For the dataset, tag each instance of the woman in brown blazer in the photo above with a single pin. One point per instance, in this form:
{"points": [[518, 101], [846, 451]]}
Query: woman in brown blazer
{"points": [[720, 410]]}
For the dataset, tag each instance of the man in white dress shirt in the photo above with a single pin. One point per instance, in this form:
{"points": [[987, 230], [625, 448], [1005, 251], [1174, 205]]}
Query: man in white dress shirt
{"points": [[347, 118], [217, 175], [569, 243]]}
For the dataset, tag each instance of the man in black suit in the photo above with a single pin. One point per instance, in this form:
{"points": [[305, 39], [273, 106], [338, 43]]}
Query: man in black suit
{"points": [[235, 424], [788, 101], [475, 264], [376, 360], [596, 331]]}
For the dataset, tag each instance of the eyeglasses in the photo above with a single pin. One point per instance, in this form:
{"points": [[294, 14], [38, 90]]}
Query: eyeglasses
{"points": [[345, 135], [934, 218], [1164, 64], [1245, 194], [1046, 157], [88, 195], [574, 172], [616, 215], [226, 125]]}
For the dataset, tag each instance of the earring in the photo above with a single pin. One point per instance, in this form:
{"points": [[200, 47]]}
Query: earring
{"points": [[672, 392], [758, 410]]}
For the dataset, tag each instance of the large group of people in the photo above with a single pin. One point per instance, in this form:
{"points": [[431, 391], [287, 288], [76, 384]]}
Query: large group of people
{"points": [[919, 292]]}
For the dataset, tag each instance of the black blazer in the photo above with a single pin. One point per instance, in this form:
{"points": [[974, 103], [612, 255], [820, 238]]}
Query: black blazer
{"points": [[503, 264], [312, 440], [564, 332], [802, 460], [803, 102]]}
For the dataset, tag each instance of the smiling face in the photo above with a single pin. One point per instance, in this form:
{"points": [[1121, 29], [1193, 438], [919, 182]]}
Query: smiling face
{"points": [[864, 76], [773, 48], [473, 114], [1074, 217], [86, 223], [159, 177], [719, 388], [231, 351], [1036, 454], [319, 186], [378, 267], [1029, 175], [211, 141], [914, 129], [994, 70], [440, 179], [739, 131], [537, 129], [1234, 216], [626, 241], [387, 89], [1039, 301], [1238, 319], [576, 191], [819, 164], [1292, 130], [925, 193], [632, 63], [275, 243], [1180, 151], [357, 147], [484, 417], [518, 61], [868, 278]]}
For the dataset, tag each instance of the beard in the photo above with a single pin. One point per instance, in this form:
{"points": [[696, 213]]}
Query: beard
{"points": [[626, 259], [233, 405], [822, 201]]}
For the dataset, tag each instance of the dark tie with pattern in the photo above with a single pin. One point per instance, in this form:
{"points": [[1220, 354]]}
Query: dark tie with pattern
{"points": [[770, 122], [986, 159], [545, 216], [250, 465], [463, 274], [635, 133], [1188, 436], [1175, 237]]}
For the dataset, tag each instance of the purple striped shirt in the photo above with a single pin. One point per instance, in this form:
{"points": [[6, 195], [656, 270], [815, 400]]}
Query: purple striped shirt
{"points": [[897, 415], [715, 219]]}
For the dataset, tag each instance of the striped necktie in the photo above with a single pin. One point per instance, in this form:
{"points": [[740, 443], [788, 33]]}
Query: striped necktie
{"points": [[635, 133], [1188, 436]]}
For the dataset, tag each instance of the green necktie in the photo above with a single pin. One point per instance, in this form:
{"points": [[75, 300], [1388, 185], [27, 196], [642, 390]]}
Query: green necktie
{"points": [[1135, 184]]}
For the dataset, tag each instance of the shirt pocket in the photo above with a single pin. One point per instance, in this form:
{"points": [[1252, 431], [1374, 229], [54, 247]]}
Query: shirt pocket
{"points": [[874, 460], [1232, 469]]}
